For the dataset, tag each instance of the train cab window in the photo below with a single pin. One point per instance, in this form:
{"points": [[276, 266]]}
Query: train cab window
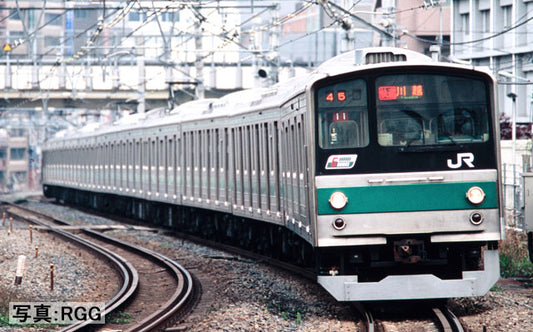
{"points": [[425, 109], [343, 115]]}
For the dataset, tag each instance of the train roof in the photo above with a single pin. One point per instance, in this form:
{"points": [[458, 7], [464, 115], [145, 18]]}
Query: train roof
{"points": [[252, 100]]}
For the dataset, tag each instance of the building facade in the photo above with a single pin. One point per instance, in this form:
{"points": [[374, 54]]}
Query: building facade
{"points": [[498, 34], [14, 162], [417, 25]]}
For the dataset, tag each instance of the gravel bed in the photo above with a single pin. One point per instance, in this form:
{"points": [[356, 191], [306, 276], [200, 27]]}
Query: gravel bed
{"points": [[76, 276], [243, 295]]}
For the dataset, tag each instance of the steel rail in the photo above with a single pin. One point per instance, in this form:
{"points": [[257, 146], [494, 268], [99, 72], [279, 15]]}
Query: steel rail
{"points": [[177, 301], [368, 319], [447, 320], [130, 276], [128, 273]]}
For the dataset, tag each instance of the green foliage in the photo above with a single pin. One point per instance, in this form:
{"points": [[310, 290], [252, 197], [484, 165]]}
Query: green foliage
{"points": [[4, 320], [514, 257], [292, 315], [119, 318]]}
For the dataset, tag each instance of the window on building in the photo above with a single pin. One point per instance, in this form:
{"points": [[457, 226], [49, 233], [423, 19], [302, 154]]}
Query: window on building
{"points": [[52, 41], [485, 20], [137, 17], [18, 153], [465, 23], [507, 13], [53, 19], [80, 13], [15, 14], [169, 16]]}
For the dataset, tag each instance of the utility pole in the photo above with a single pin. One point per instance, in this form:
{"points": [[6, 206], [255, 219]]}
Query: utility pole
{"points": [[389, 22], [199, 63], [273, 57]]}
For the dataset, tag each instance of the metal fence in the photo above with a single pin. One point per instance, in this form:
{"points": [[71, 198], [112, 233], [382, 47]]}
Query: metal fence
{"points": [[513, 198]]}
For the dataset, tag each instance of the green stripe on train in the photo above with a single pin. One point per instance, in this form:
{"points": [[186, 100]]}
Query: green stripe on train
{"points": [[408, 197]]}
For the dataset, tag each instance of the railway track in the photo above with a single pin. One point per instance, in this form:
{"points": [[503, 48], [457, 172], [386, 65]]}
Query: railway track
{"points": [[146, 275], [447, 320], [439, 318]]}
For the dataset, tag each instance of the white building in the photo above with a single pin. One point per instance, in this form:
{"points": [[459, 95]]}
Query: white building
{"points": [[498, 34]]}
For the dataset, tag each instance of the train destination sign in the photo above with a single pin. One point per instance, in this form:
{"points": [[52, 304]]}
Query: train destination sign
{"points": [[395, 92]]}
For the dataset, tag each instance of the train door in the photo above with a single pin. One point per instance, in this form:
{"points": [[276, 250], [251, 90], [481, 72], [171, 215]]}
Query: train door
{"points": [[273, 168], [246, 166], [90, 158], [137, 165], [206, 149], [101, 159], [145, 166], [286, 186], [105, 166], [197, 164], [142, 146], [187, 164], [169, 167], [162, 167], [263, 175], [108, 170], [213, 166], [184, 164], [294, 165], [238, 198], [302, 169], [177, 166], [157, 168], [77, 166], [129, 165], [113, 156], [154, 167], [255, 152], [223, 169]]}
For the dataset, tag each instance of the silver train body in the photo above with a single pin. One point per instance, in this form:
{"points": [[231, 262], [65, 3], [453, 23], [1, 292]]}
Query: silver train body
{"points": [[361, 158]]}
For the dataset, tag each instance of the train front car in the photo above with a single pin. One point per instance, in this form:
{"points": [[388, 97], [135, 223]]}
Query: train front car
{"points": [[407, 182]]}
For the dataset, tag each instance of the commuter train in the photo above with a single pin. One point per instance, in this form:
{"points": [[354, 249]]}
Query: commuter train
{"points": [[381, 167]]}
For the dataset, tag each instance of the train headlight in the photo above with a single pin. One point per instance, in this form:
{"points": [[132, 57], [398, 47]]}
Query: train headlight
{"points": [[475, 195], [338, 200]]}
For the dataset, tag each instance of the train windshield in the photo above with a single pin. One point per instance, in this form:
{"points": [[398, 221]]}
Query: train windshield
{"points": [[430, 110], [411, 110]]}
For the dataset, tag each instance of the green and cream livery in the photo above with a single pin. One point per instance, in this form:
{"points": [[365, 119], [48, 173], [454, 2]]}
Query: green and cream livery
{"points": [[407, 195]]}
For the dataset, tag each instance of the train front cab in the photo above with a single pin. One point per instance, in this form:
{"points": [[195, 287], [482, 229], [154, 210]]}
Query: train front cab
{"points": [[407, 184]]}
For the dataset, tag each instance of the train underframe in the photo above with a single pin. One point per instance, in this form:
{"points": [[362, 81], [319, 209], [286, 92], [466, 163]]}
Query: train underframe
{"points": [[222, 227], [407, 267]]}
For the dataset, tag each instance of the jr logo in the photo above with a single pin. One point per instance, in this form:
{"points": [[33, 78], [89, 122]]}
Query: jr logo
{"points": [[467, 158]]}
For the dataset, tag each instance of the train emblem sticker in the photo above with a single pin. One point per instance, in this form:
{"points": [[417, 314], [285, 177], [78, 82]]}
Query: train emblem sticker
{"points": [[342, 161], [467, 158]]}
